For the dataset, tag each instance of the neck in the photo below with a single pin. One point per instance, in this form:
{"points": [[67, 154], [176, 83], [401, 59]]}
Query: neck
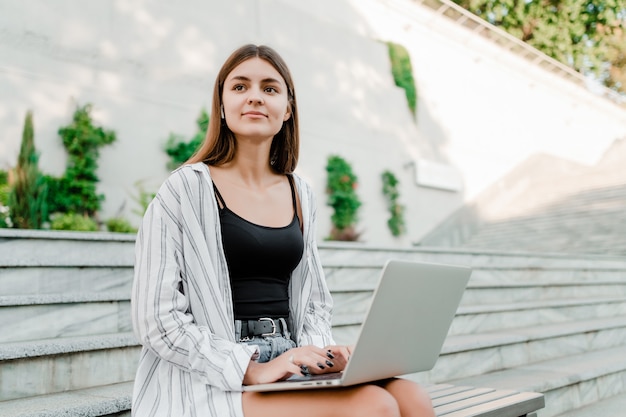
{"points": [[251, 163]]}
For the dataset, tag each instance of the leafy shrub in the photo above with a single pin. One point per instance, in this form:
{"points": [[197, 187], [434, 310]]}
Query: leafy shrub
{"points": [[73, 221], [341, 190], [120, 225], [75, 192], [5, 219], [180, 150], [143, 198]]}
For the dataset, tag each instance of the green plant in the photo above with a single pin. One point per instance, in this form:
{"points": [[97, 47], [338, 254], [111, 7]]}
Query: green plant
{"points": [[75, 192], [5, 219], [143, 198], [402, 71], [73, 221], [180, 150], [342, 197], [396, 210], [27, 199], [120, 225]]}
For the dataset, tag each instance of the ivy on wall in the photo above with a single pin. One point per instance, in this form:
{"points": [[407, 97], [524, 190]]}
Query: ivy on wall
{"points": [[341, 187], [396, 210], [402, 71]]}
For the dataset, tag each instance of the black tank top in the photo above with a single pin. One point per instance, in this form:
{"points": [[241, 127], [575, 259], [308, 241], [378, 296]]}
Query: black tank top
{"points": [[260, 262]]}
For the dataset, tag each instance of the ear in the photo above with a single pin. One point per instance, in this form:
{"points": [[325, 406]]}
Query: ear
{"points": [[287, 114]]}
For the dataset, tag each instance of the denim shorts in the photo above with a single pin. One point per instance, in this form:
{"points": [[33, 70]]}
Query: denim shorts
{"points": [[270, 347]]}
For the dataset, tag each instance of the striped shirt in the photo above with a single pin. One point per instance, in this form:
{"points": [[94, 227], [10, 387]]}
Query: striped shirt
{"points": [[181, 303]]}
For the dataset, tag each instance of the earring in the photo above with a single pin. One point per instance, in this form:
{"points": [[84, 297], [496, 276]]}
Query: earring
{"points": [[222, 111]]}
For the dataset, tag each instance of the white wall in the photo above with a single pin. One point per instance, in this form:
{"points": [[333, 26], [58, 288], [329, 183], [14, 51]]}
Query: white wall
{"points": [[148, 67], [487, 108]]}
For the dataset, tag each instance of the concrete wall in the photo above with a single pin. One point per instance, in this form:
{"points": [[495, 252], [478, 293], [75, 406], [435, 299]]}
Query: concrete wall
{"points": [[488, 109], [148, 67]]}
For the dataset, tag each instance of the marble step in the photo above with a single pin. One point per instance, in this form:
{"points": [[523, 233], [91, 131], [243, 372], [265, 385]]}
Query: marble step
{"points": [[64, 280], [335, 254], [488, 291], [44, 316], [42, 367], [612, 406], [50, 280], [91, 401], [113, 400], [34, 248], [568, 382], [350, 309], [366, 277], [474, 354]]}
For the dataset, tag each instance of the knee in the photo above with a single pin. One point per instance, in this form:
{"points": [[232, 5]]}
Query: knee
{"points": [[376, 401], [412, 398]]}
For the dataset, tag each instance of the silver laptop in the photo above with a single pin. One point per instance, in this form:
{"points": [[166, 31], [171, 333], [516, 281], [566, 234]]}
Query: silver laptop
{"points": [[404, 329]]}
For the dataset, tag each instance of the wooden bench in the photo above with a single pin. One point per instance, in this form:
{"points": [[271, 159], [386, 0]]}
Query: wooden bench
{"points": [[463, 401]]}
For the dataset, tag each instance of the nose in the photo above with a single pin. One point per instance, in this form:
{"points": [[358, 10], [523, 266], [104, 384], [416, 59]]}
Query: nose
{"points": [[255, 97]]}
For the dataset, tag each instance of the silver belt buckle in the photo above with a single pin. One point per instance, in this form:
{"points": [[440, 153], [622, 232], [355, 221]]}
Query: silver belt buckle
{"points": [[273, 326]]}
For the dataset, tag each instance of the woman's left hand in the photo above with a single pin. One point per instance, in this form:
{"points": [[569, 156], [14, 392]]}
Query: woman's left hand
{"points": [[339, 355]]}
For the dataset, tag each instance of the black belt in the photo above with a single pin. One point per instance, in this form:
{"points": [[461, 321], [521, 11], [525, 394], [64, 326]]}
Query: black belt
{"points": [[264, 326]]}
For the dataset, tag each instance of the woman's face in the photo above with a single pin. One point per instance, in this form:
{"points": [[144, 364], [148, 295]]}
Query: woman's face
{"points": [[255, 100]]}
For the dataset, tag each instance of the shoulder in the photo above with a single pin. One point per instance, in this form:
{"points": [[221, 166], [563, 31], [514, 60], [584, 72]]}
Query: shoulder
{"points": [[183, 183], [187, 176], [302, 185]]}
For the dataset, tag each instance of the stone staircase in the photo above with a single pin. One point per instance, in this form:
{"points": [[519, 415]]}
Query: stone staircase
{"points": [[550, 323], [546, 204]]}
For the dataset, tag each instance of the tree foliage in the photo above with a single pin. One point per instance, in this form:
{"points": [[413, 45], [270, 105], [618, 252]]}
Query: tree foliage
{"points": [[179, 149], [27, 199], [587, 35], [75, 192]]}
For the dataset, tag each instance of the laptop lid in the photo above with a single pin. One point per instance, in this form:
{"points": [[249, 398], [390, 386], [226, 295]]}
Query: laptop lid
{"points": [[404, 329], [408, 320]]}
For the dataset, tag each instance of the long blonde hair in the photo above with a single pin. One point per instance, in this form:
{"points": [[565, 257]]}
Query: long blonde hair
{"points": [[220, 146]]}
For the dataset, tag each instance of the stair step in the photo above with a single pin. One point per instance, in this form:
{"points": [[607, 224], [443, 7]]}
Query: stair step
{"points": [[609, 407], [32, 317], [65, 280], [350, 310], [56, 248], [568, 382], [468, 355], [41, 367], [105, 400], [488, 318]]}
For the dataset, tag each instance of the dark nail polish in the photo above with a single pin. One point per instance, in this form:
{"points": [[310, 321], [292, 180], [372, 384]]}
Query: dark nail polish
{"points": [[329, 363], [330, 355], [319, 365]]}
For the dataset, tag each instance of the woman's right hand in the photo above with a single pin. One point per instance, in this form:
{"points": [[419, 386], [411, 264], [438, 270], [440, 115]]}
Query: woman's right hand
{"points": [[297, 361]]}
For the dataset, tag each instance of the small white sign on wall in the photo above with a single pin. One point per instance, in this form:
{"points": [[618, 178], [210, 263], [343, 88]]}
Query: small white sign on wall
{"points": [[437, 175]]}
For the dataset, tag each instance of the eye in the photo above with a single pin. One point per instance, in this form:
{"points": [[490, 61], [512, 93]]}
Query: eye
{"points": [[271, 90], [239, 87]]}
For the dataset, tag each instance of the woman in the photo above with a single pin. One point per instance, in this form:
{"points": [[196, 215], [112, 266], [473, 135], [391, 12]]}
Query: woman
{"points": [[229, 289]]}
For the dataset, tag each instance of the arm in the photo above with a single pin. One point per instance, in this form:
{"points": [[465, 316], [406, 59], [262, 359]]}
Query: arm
{"points": [[163, 319], [317, 325]]}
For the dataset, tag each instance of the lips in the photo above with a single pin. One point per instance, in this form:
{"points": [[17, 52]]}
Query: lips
{"points": [[254, 114]]}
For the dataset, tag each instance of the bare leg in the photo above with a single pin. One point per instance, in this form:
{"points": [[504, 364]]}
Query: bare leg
{"points": [[359, 401], [412, 398]]}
